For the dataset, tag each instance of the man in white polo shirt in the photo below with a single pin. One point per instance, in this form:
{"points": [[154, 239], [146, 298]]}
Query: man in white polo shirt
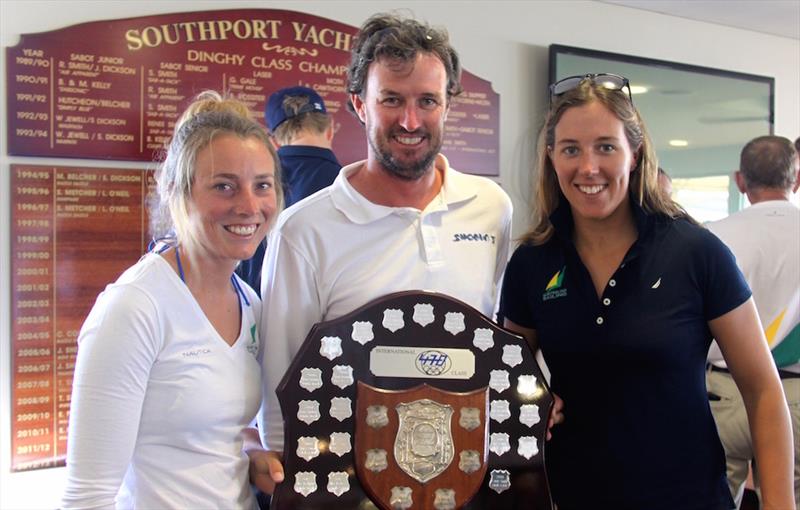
{"points": [[765, 238], [400, 220]]}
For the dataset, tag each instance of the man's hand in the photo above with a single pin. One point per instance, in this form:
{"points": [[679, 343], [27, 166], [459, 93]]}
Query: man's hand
{"points": [[556, 415], [266, 469]]}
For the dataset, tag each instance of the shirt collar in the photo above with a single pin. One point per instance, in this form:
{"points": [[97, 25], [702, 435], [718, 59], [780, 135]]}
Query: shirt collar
{"points": [[455, 190], [308, 151], [561, 219]]}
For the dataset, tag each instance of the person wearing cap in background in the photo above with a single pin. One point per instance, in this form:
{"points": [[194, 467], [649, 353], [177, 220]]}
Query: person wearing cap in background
{"points": [[302, 131]]}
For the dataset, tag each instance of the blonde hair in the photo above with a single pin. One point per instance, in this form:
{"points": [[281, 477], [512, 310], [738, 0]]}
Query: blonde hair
{"points": [[209, 116], [643, 186]]}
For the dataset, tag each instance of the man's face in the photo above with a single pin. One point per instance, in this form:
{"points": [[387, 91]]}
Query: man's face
{"points": [[404, 107]]}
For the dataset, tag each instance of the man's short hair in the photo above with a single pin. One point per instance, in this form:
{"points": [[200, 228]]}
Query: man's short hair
{"points": [[768, 162], [293, 110], [401, 40]]}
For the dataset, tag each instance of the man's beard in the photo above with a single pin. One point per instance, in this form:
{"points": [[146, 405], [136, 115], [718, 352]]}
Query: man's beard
{"points": [[406, 171]]}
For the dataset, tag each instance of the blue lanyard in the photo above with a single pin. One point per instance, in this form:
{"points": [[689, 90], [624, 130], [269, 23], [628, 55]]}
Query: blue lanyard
{"points": [[240, 295]]}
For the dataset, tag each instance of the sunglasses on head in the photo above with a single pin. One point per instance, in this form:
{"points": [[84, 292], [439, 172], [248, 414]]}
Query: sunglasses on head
{"points": [[604, 80]]}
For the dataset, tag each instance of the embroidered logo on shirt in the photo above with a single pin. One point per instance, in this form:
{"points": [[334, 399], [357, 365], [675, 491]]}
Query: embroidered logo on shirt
{"points": [[657, 284], [194, 353], [252, 347], [473, 237], [553, 289]]}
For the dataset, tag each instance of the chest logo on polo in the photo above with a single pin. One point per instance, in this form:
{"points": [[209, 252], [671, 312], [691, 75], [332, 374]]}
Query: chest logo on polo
{"points": [[554, 288], [474, 237], [657, 284], [252, 347]]}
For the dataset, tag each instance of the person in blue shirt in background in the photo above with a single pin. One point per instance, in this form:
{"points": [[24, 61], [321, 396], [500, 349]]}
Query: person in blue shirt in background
{"points": [[302, 130]]}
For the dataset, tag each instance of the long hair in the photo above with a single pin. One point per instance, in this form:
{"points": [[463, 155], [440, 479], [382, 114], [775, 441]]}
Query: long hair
{"points": [[643, 185], [209, 116]]}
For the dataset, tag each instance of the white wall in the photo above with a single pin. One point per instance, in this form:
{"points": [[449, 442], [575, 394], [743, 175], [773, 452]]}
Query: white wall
{"points": [[503, 42]]}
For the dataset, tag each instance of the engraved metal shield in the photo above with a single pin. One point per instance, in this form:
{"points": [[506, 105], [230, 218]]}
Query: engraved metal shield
{"points": [[422, 444]]}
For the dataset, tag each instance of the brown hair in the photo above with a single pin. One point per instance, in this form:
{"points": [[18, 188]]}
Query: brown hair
{"points": [[400, 40], [643, 185]]}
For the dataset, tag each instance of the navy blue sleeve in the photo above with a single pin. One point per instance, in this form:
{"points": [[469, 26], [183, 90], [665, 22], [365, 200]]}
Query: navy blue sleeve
{"points": [[515, 302], [724, 286]]}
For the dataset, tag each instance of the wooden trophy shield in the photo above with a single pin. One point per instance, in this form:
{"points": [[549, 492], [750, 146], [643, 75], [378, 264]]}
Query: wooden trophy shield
{"points": [[421, 448], [414, 401]]}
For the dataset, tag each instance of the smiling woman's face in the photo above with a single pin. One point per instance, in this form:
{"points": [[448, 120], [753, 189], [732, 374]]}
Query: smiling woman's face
{"points": [[593, 161], [233, 197]]}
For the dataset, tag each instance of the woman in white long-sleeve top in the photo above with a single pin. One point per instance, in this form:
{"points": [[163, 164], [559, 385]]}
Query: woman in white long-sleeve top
{"points": [[167, 379]]}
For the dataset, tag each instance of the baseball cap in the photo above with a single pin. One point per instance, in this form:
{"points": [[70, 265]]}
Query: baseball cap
{"points": [[275, 114]]}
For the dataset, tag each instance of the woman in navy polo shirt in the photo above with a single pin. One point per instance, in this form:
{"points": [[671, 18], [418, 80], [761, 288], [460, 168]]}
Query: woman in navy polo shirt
{"points": [[623, 293]]}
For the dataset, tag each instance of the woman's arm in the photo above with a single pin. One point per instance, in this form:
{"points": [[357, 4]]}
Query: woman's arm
{"points": [[117, 346], [747, 355]]}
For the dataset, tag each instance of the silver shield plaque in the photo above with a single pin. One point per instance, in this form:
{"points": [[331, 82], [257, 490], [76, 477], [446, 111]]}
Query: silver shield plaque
{"points": [[305, 482], [338, 482], [444, 499], [340, 443], [528, 446], [308, 411], [470, 418], [500, 480], [376, 460], [377, 416], [454, 322], [483, 338], [529, 414], [423, 314], [423, 447], [342, 376], [307, 447], [499, 443], [498, 380], [401, 498], [330, 347], [362, 332], [393, 319], [341, 408], [469, 461], [310, 379]]}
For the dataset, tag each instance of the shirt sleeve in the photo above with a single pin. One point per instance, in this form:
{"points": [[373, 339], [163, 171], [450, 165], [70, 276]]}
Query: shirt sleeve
{"points": [[724, 285], [504, 244], [514, 296], [291, 306], [117, 346]]}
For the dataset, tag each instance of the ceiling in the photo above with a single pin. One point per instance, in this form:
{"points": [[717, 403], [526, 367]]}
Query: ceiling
{"points": [[775, 17]]}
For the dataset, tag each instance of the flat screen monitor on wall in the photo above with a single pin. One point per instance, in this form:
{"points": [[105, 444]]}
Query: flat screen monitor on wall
{"points": [[699, 119]]}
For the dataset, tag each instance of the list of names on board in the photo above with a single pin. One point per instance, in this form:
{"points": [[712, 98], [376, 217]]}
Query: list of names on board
{"points": [[73, 230]]}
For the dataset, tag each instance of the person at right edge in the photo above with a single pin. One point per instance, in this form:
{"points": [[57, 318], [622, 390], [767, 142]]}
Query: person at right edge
{"points": [[765, 238], [623, 292]]}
